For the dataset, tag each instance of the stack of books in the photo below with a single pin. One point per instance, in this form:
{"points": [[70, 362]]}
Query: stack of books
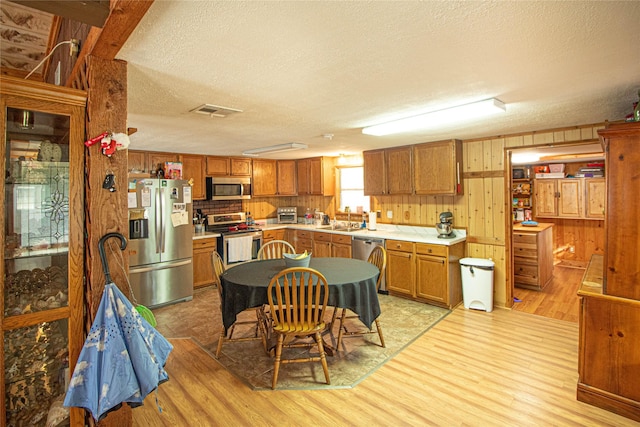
{"points": [[592, 170]]}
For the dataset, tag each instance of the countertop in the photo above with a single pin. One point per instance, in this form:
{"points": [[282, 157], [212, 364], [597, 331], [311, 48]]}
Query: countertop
{"points": [[384, 231], [538, 228]]}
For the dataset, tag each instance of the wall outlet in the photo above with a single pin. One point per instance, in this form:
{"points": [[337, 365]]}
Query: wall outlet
{"points": [[389, 214], [572, 249], [378, 214]]}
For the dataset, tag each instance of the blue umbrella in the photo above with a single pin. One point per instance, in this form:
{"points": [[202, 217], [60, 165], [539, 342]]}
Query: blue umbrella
{"points": [[123, 357]]}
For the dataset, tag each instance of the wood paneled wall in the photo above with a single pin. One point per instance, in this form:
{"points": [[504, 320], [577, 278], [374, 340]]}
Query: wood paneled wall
{"points": [[484, 209], [265, 207]]}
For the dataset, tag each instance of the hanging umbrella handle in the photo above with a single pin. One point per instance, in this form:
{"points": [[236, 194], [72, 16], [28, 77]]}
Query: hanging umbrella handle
{"points": [[103, 256]]}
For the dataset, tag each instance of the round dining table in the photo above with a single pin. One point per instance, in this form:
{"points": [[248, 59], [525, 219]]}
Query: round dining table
{"points": [[352, 285]]}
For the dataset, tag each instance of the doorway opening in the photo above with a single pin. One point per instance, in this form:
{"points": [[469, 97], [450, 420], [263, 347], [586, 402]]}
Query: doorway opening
{"points": [[574, 235]]}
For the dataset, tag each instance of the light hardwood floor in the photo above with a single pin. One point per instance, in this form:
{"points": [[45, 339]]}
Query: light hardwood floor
{"points": [[503, 368], [559, 299]]}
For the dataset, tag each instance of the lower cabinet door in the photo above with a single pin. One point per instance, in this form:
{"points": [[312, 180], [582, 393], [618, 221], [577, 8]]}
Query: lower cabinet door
{"points": [[431, 274], [400, 272]]}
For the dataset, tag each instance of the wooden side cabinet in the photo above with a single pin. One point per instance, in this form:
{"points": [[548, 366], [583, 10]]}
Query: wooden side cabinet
{"points": [[286, 171], [532, 256], [595, 196], [609, 355], [375, 173], [203, 274], [316, 176], [264, 181], [399, 167]]}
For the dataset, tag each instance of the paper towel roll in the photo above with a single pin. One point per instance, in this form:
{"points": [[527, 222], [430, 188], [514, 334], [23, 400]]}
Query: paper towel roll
{"points": [[372, 220]]}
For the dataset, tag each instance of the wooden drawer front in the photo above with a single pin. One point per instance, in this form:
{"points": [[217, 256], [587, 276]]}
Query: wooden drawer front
{"points": [[525, 238], [269, 234], [341, 238], [523, 260], [204, 243], [525, 271], [303, 234], [427, 249], [322, 237], [399, 245], [525, 251]]}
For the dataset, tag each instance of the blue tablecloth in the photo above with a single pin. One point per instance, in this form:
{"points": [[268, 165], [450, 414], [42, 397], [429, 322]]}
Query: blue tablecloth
{"points": [[352, 285]]}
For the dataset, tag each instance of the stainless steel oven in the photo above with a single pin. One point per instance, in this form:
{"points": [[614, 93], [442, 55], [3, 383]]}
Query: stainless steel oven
{"points": [[227, 237], [234, 226], [287, 215]]}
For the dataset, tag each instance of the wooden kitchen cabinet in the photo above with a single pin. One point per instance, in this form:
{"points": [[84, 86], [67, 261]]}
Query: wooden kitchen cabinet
{"points": [[193, 167], [276, 234], [286, 172], [375, 173], [265, 175], [316, 176], [532, 256], [401, 268], [157, 160], [437, 167], [203, 274], [595, 196], [399, 170], [559, 198], [137, 161], [438, 277], [331, 245], [303, 241], [340, 246], [321, 244], [228, 166]]}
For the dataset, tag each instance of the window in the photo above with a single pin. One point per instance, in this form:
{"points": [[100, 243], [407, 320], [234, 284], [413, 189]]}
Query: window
{"points": [[352, 189]]}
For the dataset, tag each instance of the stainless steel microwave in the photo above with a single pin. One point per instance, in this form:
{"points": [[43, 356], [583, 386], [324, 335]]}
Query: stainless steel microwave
{"points": [[228, 188]]}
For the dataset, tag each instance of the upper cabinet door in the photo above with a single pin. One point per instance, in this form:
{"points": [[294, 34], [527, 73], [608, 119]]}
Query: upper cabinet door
{"points": [[240, 166], [218, 166], [375, 177], [399, 170], [264, 181], [286, 177], [437, 167], [193, 167]]}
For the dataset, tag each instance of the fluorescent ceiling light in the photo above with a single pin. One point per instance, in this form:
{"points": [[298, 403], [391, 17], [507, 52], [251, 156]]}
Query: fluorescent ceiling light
{"points": [[437, 118], [289, 146]]}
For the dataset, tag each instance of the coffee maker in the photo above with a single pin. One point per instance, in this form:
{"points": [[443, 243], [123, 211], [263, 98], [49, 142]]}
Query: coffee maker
{"points": [[445, 226]]}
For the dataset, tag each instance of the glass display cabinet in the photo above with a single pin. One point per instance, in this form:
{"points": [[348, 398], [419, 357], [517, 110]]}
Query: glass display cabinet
{"points": [[42, 247]]}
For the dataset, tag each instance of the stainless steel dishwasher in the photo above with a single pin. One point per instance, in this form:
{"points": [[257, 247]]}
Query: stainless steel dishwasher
{"points": [[361, 247]]}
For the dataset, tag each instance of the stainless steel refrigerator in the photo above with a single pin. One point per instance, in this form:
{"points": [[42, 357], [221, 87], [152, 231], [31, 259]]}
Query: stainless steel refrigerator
{"points": [[160, 240]]}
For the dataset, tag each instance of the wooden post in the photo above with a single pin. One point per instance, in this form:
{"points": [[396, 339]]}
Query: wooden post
{"points": [[106, 211]]}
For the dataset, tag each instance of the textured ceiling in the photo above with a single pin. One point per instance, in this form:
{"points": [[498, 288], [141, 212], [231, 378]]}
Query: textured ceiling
{"points": [[300, 70]]}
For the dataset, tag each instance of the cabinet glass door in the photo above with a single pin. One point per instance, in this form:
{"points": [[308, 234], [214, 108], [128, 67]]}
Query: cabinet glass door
{"points": [[36, 259]]}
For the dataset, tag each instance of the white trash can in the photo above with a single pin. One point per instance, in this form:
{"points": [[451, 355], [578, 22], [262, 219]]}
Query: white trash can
{"points": [[477, 283]]}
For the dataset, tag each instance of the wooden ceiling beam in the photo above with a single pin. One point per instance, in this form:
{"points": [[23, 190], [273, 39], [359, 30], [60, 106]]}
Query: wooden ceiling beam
{"points": [[123, 19], [91, 12], [105, 43]]}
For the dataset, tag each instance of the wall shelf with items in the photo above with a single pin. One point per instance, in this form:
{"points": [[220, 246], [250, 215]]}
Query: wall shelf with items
{"points": [[522, 199]]}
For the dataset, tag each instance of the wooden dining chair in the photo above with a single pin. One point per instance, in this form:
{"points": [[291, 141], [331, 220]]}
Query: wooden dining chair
{"points": [[297, 302], [260, 323], [378, 257], [275, 249]]}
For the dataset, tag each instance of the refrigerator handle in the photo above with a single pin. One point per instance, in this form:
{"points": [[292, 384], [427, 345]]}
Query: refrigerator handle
{"points": [[162, 224], [158, 222]]}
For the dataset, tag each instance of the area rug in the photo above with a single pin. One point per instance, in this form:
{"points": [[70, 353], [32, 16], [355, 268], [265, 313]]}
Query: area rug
{"points": [[402, 322]]}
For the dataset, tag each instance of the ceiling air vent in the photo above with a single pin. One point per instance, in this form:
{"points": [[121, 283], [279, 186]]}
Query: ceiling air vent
{"points": [[215, 110]]}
